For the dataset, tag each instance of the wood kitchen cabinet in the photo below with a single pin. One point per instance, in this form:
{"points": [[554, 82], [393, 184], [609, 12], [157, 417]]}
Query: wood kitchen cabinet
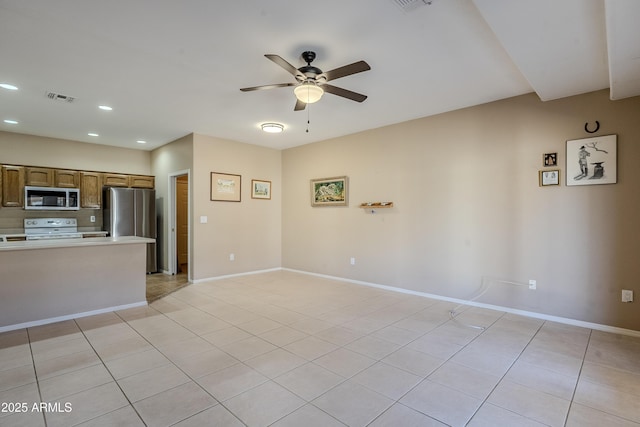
{"points": [[38, 177], [90, 190], [12, 186], [141, 181], [66, 178], [115, 180]]}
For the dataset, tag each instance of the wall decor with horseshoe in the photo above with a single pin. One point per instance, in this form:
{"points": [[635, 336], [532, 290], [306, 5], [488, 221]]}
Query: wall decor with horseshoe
{"points": [[586, 127]]}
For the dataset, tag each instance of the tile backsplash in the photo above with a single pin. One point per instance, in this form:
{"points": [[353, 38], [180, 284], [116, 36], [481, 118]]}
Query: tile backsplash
{"points": [[12, 219]]}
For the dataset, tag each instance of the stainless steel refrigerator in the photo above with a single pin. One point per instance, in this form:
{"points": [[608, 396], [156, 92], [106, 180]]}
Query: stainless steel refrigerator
{"points": [[132, 212]]}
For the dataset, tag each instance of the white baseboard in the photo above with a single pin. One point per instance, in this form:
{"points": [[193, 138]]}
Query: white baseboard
{"points": [[70, 316], [209, 279], [564, 320]]}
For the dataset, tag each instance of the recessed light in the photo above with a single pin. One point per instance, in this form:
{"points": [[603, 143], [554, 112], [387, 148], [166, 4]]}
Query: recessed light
{"points": [[11, 122], [105, 107], [272, 127], [93, 134], [141, 141], [8, 86]]}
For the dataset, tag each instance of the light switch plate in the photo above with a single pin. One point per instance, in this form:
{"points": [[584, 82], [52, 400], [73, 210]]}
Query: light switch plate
{"points": [[627, 296], [203, 219]]}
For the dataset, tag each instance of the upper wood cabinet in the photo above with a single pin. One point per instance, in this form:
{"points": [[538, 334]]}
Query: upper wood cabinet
{"points": [[115, 180], [141, 181], [13, 178], [66, 178], [38, 177], [90, 190], [12, 186]]}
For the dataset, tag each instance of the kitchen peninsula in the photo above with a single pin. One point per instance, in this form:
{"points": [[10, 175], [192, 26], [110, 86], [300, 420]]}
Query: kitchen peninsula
{"points": [[43, 281]]}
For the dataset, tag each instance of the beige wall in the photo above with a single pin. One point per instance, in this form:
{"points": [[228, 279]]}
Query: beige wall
{"points": [[33, 150], [251, 229], [171, 158], [468, 206]]}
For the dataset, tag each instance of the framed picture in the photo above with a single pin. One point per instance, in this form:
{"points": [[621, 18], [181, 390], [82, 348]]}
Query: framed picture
{"points": [[330, 191], [260, 189], [225, 187], [550, 159], [592, 161], [549, 177]]}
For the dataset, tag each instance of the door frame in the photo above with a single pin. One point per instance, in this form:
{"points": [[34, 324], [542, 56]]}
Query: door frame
{"points": [[171, 223]]}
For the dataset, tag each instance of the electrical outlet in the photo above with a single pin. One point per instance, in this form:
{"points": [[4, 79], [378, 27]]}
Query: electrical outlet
{"points": [[533, 285], [232, 257], [353, 261], [92, 218], [627, 296]]}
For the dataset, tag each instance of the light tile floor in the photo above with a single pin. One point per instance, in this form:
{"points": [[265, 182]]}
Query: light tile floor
{"points": [[288, 349]]}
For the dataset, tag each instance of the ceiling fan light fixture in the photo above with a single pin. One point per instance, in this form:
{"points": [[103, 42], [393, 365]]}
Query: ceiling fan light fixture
{"points": [[308, 92], [272, 127]]}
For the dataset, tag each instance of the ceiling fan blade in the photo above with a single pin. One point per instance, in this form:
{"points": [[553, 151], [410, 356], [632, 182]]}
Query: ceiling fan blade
{"points": [[299, 105], [347, 70], [286, 65], [248, 89], [354, 96]]}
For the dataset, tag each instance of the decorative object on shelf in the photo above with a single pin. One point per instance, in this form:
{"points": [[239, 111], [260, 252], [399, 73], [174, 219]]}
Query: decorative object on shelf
{"points": [[586, 127], [592, 161], [549, 159], [549, 177], [376, 205], [330, 191], [260, 189], [225, 187]]}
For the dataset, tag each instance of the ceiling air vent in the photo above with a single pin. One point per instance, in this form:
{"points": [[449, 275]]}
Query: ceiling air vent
{"points": [[409, 5], [59, 97]]}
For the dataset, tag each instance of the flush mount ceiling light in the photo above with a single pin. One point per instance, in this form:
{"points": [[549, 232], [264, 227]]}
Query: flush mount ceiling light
{"points": [[140, 141], [272, 127], [308, 92], [11, 122], [8, 86], [93, 134], [105, 107]]}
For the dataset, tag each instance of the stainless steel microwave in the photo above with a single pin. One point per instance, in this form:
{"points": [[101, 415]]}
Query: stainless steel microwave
{"points": [[51, 198]]}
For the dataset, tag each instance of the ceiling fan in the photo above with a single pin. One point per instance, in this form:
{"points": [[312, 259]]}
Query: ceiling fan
{"points": [[311, 82]]}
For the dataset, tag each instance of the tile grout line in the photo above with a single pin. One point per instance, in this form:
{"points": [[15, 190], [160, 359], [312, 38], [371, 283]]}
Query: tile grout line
{"points": [[575, 388], [33, 361], [111, 374]]}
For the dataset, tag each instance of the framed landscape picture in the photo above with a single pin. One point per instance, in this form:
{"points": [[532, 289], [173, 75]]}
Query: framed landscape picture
{"points": [[260, 189], [592, 161], [225, 187], [330, 191]]}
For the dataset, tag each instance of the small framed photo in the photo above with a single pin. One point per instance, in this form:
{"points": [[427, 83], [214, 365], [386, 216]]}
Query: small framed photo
{"points": [[330, 191], [225, 187], [260, 189], [549, 159], [549, 177]]}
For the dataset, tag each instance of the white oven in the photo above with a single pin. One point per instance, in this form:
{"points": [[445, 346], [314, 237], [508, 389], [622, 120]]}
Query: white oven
{"points": [[51, 228]]}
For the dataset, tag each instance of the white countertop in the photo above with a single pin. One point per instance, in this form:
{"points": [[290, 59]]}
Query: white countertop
{"points": [[70, 243]]}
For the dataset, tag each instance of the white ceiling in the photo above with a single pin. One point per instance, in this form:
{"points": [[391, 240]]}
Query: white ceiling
{"points": [[169, 68]]}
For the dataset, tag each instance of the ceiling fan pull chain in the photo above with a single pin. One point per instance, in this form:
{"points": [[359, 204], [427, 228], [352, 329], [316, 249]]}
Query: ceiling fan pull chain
{"points": [[308, 120]]}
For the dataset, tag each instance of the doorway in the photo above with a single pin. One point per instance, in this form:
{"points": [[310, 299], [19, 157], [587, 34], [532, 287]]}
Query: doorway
{"points": [[179, 258], [182, 224]]}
